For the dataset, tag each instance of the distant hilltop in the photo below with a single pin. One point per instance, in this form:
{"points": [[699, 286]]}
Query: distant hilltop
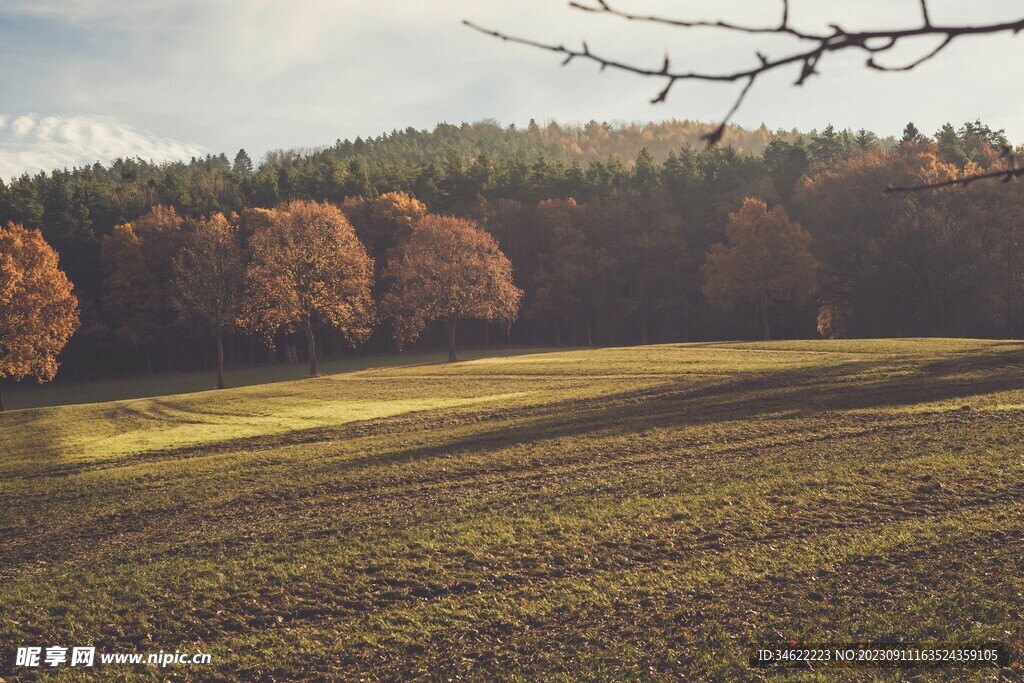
{"points": [[583, 142]]}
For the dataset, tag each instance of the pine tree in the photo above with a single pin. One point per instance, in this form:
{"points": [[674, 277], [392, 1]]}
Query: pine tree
{"points": [[865, 140], [911, 134], [951, 146], [243, 164], [828, 146], [645, 172]]}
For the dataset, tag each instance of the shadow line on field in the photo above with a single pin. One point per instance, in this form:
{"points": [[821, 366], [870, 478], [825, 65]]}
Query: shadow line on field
{"points": [[783, 394], [791, 394]]}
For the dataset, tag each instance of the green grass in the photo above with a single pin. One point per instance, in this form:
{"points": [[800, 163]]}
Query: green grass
{"points": [[28, 394], [645, 513]]}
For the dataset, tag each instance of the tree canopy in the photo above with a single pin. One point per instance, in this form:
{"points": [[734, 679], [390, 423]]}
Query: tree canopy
{"points": [[606, 226], [765, 260], [38, 310], [308, 266], [209, 272], [449, 269]]}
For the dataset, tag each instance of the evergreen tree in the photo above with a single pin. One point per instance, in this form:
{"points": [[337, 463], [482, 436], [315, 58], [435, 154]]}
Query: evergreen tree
{"points": [[786, 163], [865, 140], [951, 146], [645, 172], [243, 164], [828, 146], [911, 134], [993, 138]]}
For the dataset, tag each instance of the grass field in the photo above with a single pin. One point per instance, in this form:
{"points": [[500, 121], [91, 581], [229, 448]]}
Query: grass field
{"points": [[28, 394], [616, 514]]}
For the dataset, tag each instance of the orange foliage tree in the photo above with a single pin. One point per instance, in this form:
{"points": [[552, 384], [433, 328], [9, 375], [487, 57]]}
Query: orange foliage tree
{"points": [[209, 274], [308, 266], [137, 260], [38, 311], [765, 260], [448, 269]]}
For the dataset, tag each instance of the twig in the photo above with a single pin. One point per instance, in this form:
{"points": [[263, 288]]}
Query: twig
{"points": [[1005, 174], [872, 42]]}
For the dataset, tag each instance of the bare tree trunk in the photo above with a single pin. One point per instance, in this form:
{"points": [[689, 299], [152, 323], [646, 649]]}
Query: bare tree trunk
{"points": [[311, 346], [2, 406], [220, 359], [764, 320], [451, 338]]}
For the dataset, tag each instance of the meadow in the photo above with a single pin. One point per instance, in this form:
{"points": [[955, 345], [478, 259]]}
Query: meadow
{"points": [[644, 513]]}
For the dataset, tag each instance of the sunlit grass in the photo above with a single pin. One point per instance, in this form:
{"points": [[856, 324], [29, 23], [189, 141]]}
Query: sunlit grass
{"points": [[613, 514]]}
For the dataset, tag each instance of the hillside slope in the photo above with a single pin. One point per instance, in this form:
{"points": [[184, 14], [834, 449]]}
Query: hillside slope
{"points": [[626, 514]]}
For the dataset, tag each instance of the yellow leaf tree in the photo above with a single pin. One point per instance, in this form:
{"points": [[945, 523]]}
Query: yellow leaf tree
{"points": [[449, 269], [38, 310], [384, 222], [308, 266], [765, 260]]}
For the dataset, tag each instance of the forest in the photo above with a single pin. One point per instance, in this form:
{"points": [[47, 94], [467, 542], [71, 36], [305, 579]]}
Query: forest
{"points": [[617, 234]]}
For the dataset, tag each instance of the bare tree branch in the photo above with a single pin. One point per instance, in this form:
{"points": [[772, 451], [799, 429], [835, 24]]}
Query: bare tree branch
{"points": [[912, 65], [874, 43], [604, 8], [1006, 176]]}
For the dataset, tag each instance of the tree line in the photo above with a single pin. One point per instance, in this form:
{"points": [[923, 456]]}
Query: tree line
{"points": [[787, 236], [300, 269]]}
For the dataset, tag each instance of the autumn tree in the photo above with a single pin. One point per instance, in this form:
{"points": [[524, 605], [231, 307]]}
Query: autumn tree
{"points": [[383, 223], [394, 214], [138, 268], [870, 245], [449, 269], [766, 260], [209, 274], [308, 267], [38, 311]]}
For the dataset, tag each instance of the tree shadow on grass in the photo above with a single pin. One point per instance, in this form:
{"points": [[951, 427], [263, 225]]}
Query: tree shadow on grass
{"points": [[26, 441], [785, 394], [788, 393]]}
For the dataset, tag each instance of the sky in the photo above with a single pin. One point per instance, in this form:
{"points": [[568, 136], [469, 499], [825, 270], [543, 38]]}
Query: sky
{"points": [[90, 80]]}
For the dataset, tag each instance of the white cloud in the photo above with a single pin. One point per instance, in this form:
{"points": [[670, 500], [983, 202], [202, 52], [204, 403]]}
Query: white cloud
{"points": [[264, 74], [34, 143], [113, 12], [23, 124]]}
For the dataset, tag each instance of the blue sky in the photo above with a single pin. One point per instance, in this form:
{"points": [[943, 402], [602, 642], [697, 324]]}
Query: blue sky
{"points": [[86, 80]]}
